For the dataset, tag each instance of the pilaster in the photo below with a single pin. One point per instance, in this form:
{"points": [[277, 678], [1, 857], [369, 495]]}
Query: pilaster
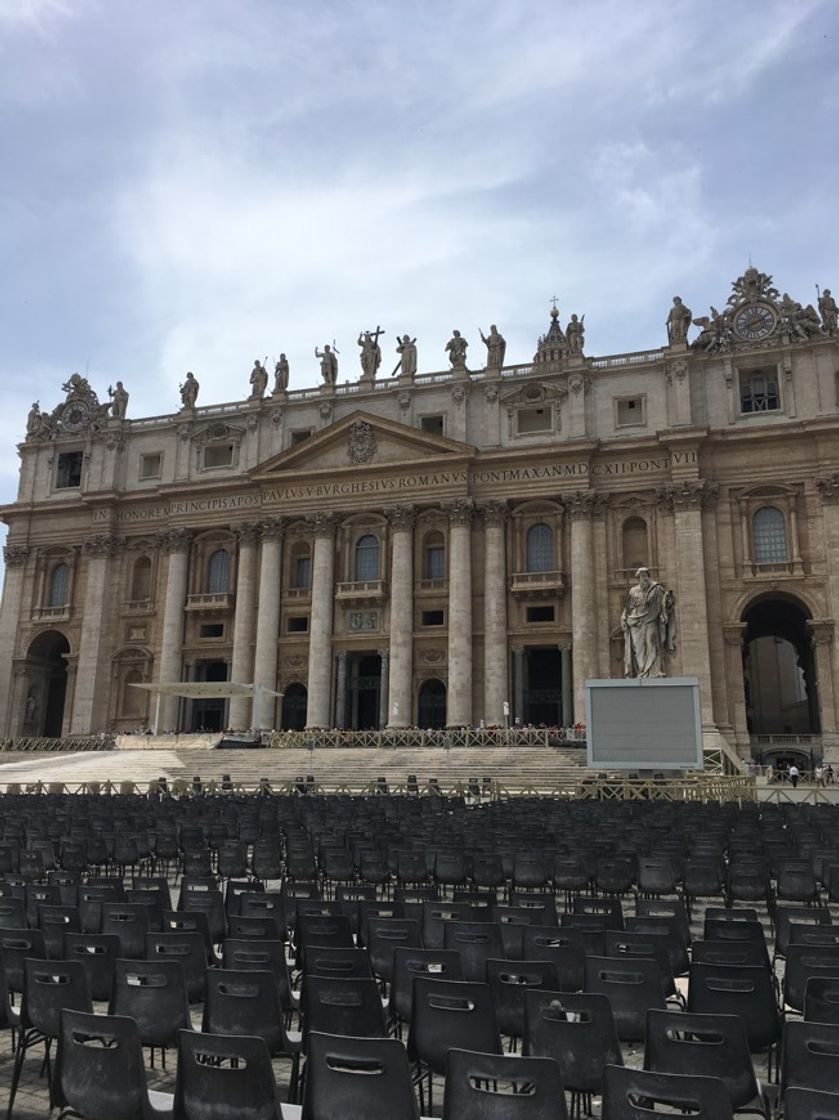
{"points": [[495, 613], [15, 556], [320, 623], [580, 507], [177, 543], [268, 623], [241, 669], [398, 713], [459, 697], [91, 694]]}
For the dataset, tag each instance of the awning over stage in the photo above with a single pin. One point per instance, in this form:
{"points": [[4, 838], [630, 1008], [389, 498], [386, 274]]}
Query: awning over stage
{"points": [[202, 690]]}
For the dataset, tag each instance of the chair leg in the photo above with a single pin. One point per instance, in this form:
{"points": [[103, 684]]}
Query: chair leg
{"points": [[20, 1053]]}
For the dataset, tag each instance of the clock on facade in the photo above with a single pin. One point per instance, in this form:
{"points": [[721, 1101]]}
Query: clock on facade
{"points": [[76, 415], [755, 321]]}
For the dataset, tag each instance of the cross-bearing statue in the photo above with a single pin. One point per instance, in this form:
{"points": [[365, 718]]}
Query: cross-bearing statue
{"points": [[496, 347], [648, 623], [258, 381]]}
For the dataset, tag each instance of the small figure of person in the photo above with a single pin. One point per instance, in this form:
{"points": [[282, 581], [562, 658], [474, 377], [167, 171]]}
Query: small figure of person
{"points": [[328, 364], [281, 373], [456, 347], [406, 348], [678, 322], [575, 334], [819, 774], [258, 381], [829, 312], [189, 391], [119, 401], [496, 346], [828, 774], [793, 773]]}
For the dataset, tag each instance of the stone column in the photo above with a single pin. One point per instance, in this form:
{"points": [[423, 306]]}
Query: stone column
{"points": [[268, 623], [383, 686], [679, 382], [495, 613], [241, 670], [828, 487], [320, 622], [15, 556], [89, 711], [567, 684], [341, 689], [823, 637], [400, 711], [459, 696], [518, 684], [732, 633], [580, 507], [687, 499], [176, 542]]}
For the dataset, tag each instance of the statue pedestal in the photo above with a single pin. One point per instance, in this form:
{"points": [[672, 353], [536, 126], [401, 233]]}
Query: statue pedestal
{"points": [[644, 724]]}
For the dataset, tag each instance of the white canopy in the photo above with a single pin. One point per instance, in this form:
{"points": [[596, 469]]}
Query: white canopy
{"points": [[202, 690]]}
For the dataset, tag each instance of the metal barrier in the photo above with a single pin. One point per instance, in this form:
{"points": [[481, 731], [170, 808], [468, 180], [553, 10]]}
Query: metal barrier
{"points": [[415, 737], [51, 745]]}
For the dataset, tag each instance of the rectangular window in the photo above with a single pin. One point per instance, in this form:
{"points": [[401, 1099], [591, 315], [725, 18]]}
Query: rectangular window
{"points": [[432, 424], [759, 390], [218, 455], [533, 420], [212, 630], [302, 572], [433, 618], [540, 614], [629, 412], [68, 474], [300, 435], [298, 624], [435, 562], [151, 466]]}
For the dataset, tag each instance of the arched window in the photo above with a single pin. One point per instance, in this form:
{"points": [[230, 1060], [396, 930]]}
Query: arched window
{"points": [[141, 579], [218, 572], [540, 548], [367, 558], [635, 551], [59, 586], [770, 536], [434, 558]]}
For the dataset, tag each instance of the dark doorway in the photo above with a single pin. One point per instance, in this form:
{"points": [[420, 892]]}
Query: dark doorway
{"points": [[779, 670], [365, 685], [46, 687], [295, 702], [431, 705], [209, 714], [543, 687]]}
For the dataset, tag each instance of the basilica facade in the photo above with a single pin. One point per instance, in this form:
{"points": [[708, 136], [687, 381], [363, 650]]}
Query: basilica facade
{"points": [[441, 549]]}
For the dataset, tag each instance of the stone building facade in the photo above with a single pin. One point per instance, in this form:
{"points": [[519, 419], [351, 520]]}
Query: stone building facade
{"points": [[443, 548]]}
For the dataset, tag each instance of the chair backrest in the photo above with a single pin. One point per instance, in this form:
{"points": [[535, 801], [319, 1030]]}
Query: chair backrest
{"points": [[260, 956], [225, 1076], [632, 986], [564, 946], [786, 916], [351, 1007], [97, 954], [630, 1094], [153, 994], [509, 982], [15, 946], [651, 946], [436, 914], [12, 912], [746, 991], [810, 1056], [450, 1014], [802, 962], [187, 948], [408, 964], [367, 1077], [49, 986], [129, 922], [821, 1000], [245, 1003], [810, 1104], [99, 1070], [385, 935], [608, 910], [750, 953], [708, 1045], [477, 942], [502, 1087], [337, 963], [578, 1031]]}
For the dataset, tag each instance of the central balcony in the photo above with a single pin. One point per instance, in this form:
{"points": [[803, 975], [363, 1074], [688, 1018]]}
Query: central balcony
{"points": [[528, 585], [361, 591], [210, 602]]}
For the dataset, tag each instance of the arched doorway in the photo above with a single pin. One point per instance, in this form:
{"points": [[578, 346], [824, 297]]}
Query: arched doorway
{"points": [[779, 669], [295, 701], [431, 704], [46, 685]]}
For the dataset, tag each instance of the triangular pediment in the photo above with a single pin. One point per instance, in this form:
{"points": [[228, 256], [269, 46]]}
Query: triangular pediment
{"points": [[360, 441]]}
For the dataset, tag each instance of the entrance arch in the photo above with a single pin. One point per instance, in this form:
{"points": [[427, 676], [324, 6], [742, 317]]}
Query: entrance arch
{"points": [[779, 669], [46, 685], [431, 704], [295, 702]]}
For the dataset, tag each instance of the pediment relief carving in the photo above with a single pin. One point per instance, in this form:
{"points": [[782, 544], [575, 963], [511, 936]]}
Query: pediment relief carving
{"points": [[534, 393], [217, 433]]}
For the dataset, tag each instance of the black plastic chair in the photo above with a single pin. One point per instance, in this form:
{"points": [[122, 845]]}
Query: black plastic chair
{"points": [[48, 988], [350, 1007], [810, 1056], [709, 1046], [509, 982], [810, 917], [629, 1094], [502, 1087], [564, 947], [802, 963], [821, 1000], [340, 964], [54, 922], [97, 953], [153, 994], [650, 946], [745, 991], [189, 950], [632, 986], [263, 956], [245, 1003], [15, 946], [129, 922], [578, 1031], [368, 1077], [384, 936], [435, 916], [408, 964], [229, 1076], [448, 1014], [99, 1071], [810, 1104], [476, 942], [321, 932], [743, 953]]}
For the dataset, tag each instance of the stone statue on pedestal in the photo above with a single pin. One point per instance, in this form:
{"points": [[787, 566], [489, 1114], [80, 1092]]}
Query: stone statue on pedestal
{"points": [[456, 347], [371, 353], [496, 346], [189, 391], [678, 322], [648, 623], [829, 312], [328, 364], [281, 374], [407, 351], [575, 334], [259, 381]]}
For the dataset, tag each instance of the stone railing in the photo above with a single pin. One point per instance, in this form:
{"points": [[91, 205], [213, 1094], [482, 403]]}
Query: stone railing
{"points": [[210, 601], [416, 738], [59, 743]]}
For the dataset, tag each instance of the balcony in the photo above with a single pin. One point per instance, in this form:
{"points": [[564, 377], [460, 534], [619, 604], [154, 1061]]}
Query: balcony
{"points": [[299, 594], [217, 602], [361, 591], [137, 606], [535, 585], [52, 614], [440, 586]]}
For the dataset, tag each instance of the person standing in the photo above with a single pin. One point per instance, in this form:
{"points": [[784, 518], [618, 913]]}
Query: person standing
{"points": [[794, 774]]}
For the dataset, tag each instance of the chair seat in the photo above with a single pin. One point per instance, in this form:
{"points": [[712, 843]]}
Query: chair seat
{"points": [[162, 1103], [295, 1112]]}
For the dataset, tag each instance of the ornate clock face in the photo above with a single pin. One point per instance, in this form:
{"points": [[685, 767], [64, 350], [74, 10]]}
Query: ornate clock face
{"points": [[75, 416], [755, 321]]}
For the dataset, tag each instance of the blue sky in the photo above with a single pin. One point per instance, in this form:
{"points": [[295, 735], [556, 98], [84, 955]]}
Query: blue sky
{"points": [[192, 185]]}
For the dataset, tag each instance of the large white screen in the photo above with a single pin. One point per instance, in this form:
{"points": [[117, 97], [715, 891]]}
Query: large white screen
{"points": [[644, 724]]}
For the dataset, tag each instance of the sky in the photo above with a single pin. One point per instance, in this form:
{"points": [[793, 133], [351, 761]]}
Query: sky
{"points": [[193, 185]]}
